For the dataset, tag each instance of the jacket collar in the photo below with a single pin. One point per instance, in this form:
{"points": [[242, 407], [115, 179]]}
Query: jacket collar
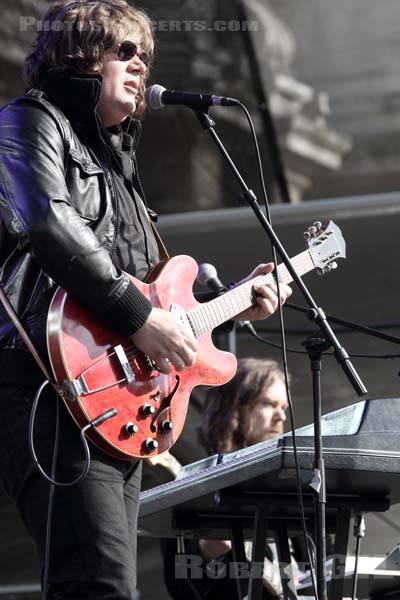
{"points": [[78, 95]]}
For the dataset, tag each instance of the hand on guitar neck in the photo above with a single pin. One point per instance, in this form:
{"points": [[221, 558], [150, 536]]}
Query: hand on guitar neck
{"points": [[265, 295]]}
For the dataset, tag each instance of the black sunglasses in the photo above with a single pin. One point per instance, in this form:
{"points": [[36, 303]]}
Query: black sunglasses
{"points": [[127, 50]]}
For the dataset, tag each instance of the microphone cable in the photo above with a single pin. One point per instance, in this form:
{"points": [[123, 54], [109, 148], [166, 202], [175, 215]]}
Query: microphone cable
{"points": [[253, 332], [284, 358], [51, 497]]}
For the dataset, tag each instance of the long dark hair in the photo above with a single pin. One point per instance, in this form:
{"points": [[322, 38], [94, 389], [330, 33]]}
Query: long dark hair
{"points": [[225, 422], [74, 36]]}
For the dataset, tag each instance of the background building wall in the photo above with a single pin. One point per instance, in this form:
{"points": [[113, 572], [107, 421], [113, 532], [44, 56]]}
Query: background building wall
{"points": [[329, 71]]}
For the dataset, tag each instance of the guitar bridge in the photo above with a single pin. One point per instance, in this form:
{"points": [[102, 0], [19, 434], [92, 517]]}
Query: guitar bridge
{"points": [[124, 362]]}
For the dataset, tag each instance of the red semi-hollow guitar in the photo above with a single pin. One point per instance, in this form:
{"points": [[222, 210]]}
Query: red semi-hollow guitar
{"points": [[98, 370]]}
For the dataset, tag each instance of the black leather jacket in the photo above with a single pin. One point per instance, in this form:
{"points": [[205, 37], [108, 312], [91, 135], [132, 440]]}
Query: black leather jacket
{"points": [[59, 210]]}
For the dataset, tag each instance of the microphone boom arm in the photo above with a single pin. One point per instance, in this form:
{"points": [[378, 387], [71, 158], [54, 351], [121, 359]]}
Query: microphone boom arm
{"points": [[317, 313]]}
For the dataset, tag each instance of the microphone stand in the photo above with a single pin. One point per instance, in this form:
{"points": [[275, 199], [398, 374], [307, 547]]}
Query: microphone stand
{"points": [[315, 349]]}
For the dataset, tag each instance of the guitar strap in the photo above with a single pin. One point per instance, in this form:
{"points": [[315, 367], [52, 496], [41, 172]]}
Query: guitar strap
{"points": [[20, 328], [161, 246]]}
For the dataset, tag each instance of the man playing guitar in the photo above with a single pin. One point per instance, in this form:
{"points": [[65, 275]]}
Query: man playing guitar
{"points": [[73, 215]]}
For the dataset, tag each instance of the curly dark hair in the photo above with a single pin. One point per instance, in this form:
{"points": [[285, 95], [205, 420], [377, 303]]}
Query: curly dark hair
{"points": [[227, 408], [75, 34]]}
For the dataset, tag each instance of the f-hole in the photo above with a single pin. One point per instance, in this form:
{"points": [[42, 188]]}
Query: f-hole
{"points": [[165, 403]]}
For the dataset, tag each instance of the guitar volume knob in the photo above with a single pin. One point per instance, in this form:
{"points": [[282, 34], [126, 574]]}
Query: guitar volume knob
{"points": [[150, 445], [166, 426], [130, 429], [147, 410]]}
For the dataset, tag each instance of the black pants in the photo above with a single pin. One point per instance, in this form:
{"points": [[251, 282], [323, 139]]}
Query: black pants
{"points": [[93, 530]]}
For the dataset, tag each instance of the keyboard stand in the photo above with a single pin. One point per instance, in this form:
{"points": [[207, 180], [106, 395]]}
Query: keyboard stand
{"points": [[258, 513]]}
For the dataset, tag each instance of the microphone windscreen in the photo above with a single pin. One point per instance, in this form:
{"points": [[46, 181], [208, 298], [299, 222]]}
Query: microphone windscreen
{"points": [[153, 96]]}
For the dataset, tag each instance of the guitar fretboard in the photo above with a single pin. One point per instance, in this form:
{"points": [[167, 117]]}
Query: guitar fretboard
{"points": [[208, 316]]}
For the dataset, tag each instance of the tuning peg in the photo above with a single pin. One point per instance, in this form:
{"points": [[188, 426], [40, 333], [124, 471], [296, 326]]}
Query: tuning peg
{"points": [[312, 231], [333, 265], [307, 236], [323, 270], [317, 225]]}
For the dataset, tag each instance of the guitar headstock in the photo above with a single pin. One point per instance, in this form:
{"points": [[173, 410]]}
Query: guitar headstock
{"points": [[326, 244]]}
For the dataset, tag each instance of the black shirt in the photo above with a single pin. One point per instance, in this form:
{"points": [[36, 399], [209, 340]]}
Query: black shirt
{"points": [[137, 249]]}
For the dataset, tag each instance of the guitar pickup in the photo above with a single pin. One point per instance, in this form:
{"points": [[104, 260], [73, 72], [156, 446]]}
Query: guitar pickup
{"points": [[124, 362]]}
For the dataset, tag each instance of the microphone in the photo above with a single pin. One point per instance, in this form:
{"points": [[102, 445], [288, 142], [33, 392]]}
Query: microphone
{"points": [[208, 276], [158, 97]]}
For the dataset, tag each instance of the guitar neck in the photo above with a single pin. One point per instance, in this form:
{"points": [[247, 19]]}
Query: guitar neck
{"points": [[206, 317]]}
